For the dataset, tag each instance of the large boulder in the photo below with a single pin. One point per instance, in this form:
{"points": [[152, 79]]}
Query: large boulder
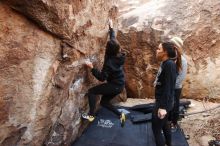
{"points": [[43, 80], [144, 23]]}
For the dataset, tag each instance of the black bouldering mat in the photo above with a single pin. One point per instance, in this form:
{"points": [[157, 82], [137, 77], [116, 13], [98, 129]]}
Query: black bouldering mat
{"points": [[147, 108], [144, 108], [139, 118], [178, 137], [105, 130]]}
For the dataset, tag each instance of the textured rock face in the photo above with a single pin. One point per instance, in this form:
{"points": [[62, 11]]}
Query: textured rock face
{"points": [[144, 23], [43, 82], [26, 60], [140, 65]]}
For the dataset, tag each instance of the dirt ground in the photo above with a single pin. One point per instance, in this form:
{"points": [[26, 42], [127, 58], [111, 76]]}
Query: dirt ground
{"points": [[200, 127]]}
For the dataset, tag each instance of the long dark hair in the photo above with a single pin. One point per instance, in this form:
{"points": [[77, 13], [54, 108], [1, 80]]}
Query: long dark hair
{"points": [[112, 48], [178, 59], [173, 54]]}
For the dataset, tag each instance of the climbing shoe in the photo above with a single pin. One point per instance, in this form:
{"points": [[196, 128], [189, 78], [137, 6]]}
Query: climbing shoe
{"points": [[122, 119], [88, 117]]}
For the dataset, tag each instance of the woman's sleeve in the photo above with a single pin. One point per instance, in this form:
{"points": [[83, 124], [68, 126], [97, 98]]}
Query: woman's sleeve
{"points": [[112, 34], [169, 76]]}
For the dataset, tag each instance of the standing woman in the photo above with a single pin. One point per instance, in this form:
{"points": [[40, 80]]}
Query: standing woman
{"points": [[112, 72], [164, 92], [182, 71]]}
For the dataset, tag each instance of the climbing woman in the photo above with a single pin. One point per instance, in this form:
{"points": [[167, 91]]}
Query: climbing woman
{"points": [[112, 72]]}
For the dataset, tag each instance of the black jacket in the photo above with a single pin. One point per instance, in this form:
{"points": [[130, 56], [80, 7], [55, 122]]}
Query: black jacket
{"points": [[165, 85], [112, 70]]}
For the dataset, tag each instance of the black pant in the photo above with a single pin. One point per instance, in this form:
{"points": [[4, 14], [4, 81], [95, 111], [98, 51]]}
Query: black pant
{"points": [[174, 114], [108, 92], [159, 125]]}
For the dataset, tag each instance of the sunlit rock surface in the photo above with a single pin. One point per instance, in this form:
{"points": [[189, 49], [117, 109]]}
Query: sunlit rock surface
{"points": [[43, 45], [144, 23]]}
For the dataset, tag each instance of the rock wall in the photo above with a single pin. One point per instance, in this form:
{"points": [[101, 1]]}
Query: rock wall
{"points": [[43, 45], [144, 23], [140, 66]]}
